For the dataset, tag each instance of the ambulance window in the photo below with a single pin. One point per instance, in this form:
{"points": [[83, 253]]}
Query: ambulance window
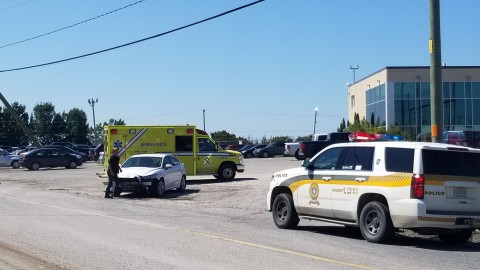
{"points": [[205, 145], [183, 143]]}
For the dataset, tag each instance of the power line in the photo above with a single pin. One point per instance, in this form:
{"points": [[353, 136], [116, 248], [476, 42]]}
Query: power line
{"points": [[135, 42], [70, 26], [16, 5]]}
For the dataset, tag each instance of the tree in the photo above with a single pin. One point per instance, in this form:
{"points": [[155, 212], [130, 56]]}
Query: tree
{"points": [[59, 128], [223, 136], [279, 139], [12, 134], [77, 127], [342, 126], [42, 121]]}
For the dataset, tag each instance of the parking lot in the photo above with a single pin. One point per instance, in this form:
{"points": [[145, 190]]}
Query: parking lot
{"points": [[212, 219]]}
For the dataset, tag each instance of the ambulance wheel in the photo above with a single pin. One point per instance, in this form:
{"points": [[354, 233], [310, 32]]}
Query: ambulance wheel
{"points": [[375, 223], [183, 183], [227, 172], [284, 214], [456, 238], [158, 188]]}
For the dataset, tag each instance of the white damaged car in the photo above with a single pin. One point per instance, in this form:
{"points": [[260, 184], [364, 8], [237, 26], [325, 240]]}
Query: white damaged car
{"points": [[154, 173]]}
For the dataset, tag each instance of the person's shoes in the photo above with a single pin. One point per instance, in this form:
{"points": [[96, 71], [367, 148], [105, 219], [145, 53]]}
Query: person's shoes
{"points": [[109, 195]]}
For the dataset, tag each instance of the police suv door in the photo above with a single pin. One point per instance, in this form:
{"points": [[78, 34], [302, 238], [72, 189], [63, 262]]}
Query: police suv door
{"points": [[349, 180], [314, 187]]}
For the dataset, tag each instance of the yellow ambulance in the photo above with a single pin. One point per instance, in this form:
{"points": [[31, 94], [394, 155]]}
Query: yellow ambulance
{"points": [[200, 153]]}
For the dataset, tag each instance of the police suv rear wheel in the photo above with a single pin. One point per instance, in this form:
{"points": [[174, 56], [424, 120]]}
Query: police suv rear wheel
{"points": [[375, 223], [284, 214]]}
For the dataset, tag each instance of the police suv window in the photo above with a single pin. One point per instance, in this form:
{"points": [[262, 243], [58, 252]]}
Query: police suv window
{"points": [[399, 159], [328, 159], [357, 158]]}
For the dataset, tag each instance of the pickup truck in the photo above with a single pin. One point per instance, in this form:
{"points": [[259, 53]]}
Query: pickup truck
{"points": [[309, 149]]}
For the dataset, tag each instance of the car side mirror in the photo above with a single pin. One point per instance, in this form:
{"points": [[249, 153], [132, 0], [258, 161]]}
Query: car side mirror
{"points": [[168, 166]]}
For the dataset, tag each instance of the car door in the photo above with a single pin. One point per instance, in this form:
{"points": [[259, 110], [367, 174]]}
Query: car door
{"points": [[4, 159], [314, 186], [169, 173], [58, 158], [349, 180]]}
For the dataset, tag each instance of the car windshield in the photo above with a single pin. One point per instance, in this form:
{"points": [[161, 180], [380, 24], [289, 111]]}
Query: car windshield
{"points": [[150, 162]]}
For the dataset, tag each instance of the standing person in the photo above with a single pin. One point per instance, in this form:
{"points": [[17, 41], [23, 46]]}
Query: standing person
{"points": [[112, 172]]}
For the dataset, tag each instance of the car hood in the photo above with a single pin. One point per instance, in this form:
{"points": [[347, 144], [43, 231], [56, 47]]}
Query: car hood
{"points": [[131, 172]]}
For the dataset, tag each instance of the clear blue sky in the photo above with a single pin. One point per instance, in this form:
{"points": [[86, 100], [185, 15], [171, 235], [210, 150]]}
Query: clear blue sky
{"points": [[259, 71]]}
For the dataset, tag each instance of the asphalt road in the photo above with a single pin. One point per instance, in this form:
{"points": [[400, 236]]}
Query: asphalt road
{"points": [[58, 219]]}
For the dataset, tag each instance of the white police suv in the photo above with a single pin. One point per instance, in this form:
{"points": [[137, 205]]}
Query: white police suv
{"points": [[430, 188]]}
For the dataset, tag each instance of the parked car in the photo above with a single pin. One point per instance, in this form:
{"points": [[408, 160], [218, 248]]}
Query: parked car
{"points": [[97, 151], [468, 138], [7, 159], [271, 150], [81, 148], [231, 147], [154, 173], [69, 150], [248, 153], [50, 157]]}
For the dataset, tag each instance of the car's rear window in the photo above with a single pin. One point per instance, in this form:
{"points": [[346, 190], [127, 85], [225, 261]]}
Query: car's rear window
{"points": [[458, 163], [399, 159]]}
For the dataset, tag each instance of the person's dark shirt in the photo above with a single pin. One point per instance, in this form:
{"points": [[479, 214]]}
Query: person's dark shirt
{"points": [[114, 163]]}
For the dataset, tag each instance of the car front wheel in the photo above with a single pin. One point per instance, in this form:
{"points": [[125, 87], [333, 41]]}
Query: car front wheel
{"points": [[72, 164], [183, 183], [15, 164], [265, 154], [158, 188], [375, 223], [35, 166], [284, 214]]}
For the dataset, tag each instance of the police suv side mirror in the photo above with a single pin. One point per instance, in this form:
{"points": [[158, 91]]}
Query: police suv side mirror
{"points": [[306, 163]]}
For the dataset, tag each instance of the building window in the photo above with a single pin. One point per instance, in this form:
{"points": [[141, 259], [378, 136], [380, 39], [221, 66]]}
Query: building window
{"points": [[352, 101]]}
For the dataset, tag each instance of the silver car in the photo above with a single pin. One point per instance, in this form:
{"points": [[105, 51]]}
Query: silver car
{"points": [[154, 173], [7, 160]]}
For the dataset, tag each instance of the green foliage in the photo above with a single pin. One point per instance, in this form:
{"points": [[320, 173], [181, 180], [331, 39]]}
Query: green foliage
{"points": [[280, 139], [12, 134], [76, 126], [223, 136]]}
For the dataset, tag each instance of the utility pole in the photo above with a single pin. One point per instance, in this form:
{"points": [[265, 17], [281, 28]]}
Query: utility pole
{"points": [[20, 122], [92, 103], [353, 69], [436, 94], [315, 122]]}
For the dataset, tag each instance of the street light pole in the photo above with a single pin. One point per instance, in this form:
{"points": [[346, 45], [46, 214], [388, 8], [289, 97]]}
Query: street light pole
{"points": [[353, 69], [92, 103], [315, 121], [204, 120]]}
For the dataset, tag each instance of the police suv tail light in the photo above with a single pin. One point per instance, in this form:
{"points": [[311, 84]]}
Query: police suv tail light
{"points": [[418, 187]]}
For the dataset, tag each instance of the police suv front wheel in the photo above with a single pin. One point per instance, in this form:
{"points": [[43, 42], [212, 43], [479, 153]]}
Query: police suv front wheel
{"points": [[284, 214], [375, 223]]}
